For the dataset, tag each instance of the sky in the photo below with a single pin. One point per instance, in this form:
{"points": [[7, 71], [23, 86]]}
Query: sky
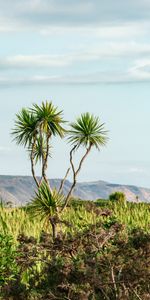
{"points": [[87, 55]]}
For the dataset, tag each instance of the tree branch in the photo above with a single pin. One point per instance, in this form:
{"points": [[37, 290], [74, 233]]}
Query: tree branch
{"points": [[63, 181], [83, 158], [75, 173]]}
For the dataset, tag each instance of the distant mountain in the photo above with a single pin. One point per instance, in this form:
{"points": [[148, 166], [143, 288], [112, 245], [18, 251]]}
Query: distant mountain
{"points": [[20, 189]]}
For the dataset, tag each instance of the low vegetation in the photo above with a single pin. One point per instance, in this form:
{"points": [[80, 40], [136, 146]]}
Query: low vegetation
{"points": [[102, 251]]}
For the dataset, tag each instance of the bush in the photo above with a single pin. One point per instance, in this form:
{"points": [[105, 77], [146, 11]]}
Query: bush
{"points": [[118, 197], [101, 202]]}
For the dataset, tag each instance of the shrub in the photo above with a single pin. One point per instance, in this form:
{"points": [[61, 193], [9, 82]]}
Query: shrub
{"points": [[101, 202], [118, 197]]}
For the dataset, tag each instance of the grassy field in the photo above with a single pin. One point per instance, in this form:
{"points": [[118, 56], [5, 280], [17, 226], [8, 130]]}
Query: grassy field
{"points": [[15, 221], [102, 252]]}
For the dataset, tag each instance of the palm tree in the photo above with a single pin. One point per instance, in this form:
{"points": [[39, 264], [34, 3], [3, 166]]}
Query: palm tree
{"points": [[34, 128], [49, 118], [45, 204], [25, 133], [49, 121], [87, 132]]}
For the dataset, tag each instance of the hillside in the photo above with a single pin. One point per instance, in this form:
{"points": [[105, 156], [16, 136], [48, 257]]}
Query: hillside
{"points": [[20, 189]]}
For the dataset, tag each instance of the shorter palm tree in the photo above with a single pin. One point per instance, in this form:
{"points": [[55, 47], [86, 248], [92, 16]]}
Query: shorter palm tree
{"points": [[87, 132], [45, 204]]}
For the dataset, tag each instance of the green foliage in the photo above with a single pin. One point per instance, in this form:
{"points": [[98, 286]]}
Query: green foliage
{"points": [[34, 128], [95, 254], [118, 197], [101, 202], [29, 120], [25, 127], [109, 222], [18, 220], [8, 265], [97, 263], [88, 130], [38, 151], [45, 202], [76, 203], [49, 118]]}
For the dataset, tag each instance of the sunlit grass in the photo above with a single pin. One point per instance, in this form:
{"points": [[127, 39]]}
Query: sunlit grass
{"points": [[132, 214], [16, 221]]}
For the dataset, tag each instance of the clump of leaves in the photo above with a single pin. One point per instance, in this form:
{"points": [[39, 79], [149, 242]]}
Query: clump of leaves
{"points": [[118, 197], [8, 265]]}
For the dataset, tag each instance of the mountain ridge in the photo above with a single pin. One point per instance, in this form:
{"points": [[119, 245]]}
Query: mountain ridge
{"points": [[19, 189]]}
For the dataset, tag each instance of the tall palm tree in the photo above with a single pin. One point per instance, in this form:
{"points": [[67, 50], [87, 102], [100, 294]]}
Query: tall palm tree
{"points": [[34, 128], [88, 132], [49, 121]]}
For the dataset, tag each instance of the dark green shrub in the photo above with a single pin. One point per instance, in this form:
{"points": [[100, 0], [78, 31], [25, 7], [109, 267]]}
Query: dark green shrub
{"points": [[76, 203], [118, 197], [101, 202]]}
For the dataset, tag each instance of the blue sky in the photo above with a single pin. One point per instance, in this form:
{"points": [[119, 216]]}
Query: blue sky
{"points": [[84, 56]]}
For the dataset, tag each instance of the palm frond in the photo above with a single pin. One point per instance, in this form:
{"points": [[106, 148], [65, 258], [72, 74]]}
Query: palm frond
{"points": [[49, 118], [88, 130], [25, 127], [45, 202], [39, 149]]}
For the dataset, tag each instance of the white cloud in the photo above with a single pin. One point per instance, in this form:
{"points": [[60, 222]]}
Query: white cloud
{"points": [[141, 69], [55, 7], [27, 61], [43, 15], [94, 78], [106, 50]]}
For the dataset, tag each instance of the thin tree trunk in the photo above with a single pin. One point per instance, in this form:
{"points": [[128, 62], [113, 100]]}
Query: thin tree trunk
{"points": [[71, 159], [41, 148], [45, 161], [32, 164], [69, 195], [75, 173], [54, 232], [63, 181], [83, 158]]}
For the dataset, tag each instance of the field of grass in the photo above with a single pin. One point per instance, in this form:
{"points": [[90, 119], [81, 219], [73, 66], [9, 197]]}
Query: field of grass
{"points": [[102, 252], [15, 221]]}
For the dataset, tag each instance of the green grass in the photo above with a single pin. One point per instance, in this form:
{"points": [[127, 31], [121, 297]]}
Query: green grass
{"points": [[84, 257], [133, 215], [15, 221]]}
